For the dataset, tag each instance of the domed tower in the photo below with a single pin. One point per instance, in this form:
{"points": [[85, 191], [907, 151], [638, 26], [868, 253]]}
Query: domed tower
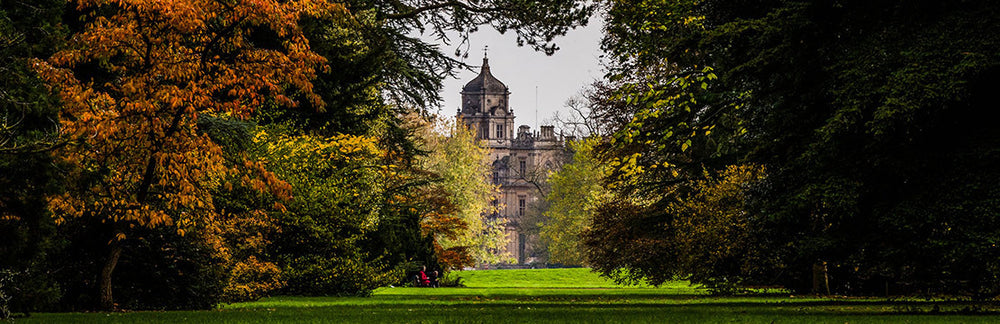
{"points": [[485, 108]]}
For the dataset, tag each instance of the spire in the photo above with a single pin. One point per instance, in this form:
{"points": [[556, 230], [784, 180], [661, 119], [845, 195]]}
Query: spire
{"points": [[486, 60]]}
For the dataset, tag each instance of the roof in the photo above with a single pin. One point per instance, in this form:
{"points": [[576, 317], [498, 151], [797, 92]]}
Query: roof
{"points": [[485, 81]]}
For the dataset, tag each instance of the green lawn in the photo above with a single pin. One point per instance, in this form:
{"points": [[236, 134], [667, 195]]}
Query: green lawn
{"points": [[541, 278], [553, 295]]}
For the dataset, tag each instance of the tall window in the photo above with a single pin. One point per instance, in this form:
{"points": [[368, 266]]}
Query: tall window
{"points": [[499, 131], [484, 130], [523, 167], [520, 205]]}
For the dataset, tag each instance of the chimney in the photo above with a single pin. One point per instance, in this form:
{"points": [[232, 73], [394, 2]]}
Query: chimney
{"points": [[548, 133]]}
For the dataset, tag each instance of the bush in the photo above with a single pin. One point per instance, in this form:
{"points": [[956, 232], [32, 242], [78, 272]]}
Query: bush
{"points": [[165, 271], [252, 279], [451, 280], [27, 290], [319, 276], [5, 279]]}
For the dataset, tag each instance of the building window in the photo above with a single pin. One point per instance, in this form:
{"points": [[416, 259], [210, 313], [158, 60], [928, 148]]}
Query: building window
{"points": [[500, 131], [521, 205], [484, 130], [523, 166]]}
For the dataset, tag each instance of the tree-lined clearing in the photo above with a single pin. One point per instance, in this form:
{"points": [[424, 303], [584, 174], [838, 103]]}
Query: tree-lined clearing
{"points": [[187, 154]]}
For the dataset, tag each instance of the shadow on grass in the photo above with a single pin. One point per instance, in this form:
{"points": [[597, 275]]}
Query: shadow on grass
{"points": [[772, 304], [754, 308], [563, 309]]}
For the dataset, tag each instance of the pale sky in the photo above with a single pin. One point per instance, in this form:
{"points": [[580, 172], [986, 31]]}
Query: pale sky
{"points": [[558, 77]]}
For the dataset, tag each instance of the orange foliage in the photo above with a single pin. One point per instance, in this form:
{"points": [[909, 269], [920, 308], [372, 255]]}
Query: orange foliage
{"points": [[139, 158], [453, 258], [440, 221], [252, 279]]}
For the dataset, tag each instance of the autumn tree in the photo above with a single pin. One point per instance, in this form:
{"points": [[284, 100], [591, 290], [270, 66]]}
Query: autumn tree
{"points": [[133, 81]]}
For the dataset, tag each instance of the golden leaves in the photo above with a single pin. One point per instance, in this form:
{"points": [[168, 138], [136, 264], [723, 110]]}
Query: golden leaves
{"points": [[139, 158]]}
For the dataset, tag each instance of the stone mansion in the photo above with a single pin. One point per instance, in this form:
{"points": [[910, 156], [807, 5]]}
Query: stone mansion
{"points": [[522, 159]]}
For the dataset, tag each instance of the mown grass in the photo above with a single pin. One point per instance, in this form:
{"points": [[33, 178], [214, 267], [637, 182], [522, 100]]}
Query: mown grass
{"points": [[542, 278], [558, 296]]}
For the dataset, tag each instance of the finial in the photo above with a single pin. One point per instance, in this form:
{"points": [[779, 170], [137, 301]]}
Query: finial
{"points": [[486, 60]]}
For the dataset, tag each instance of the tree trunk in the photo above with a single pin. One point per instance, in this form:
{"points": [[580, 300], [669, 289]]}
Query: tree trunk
{"points": [[821, 279], [106, 301]]}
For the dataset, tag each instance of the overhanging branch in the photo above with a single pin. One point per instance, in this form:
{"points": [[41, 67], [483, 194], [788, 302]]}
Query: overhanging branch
{"points": [[413, 12]]}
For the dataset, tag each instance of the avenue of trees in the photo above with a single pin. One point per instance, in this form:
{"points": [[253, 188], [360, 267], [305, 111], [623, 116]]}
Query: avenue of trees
{"points": [[183, 153]]}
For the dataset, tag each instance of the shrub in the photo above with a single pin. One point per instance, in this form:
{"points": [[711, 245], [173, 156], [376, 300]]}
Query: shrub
{"points": [[252, 279], [451, 280], [5, 279], [317, 276], [165, 271]]}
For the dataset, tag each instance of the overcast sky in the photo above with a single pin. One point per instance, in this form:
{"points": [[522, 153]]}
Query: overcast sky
{"points": [[557, 77]]}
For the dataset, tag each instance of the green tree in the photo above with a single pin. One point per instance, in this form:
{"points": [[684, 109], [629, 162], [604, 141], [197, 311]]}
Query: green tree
{"points": [[337, 187], [576, 191], [705, 232], [29, 240], [870, 118], [464, 170]]}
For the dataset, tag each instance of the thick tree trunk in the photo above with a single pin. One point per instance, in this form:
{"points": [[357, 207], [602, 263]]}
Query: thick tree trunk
{"points": [[106, 301]]}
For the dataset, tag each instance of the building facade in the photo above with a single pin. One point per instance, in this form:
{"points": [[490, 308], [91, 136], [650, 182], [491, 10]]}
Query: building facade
{"points": [[522, 159]]}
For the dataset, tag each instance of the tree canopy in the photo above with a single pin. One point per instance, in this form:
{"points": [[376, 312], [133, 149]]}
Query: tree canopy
{"points": [[576, 192], [869, 116]]}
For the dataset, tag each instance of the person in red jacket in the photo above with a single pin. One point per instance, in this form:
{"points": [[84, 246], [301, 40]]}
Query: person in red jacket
{"points": [[422, 279]]}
